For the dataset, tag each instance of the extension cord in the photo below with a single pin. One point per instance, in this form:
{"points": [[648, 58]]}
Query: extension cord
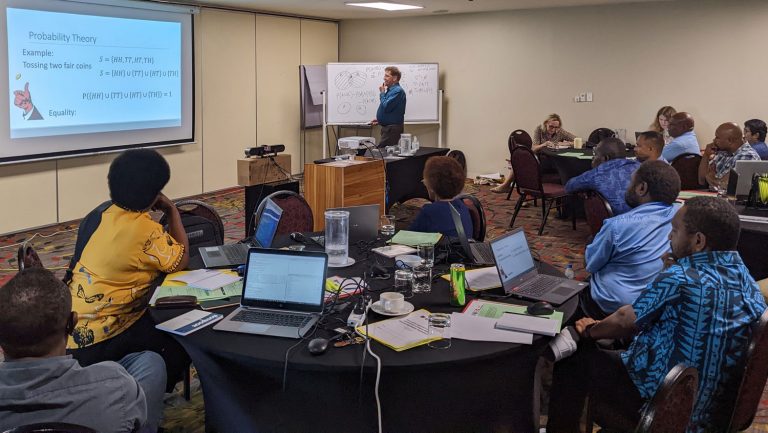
{"points": [[357, 316]]}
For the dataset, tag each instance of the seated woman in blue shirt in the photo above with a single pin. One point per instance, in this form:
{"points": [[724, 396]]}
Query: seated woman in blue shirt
{"points": [[444, 179]]}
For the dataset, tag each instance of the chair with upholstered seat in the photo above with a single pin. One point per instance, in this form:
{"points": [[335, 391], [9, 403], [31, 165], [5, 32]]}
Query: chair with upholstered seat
{"points": [[529, 184], [460, 158], [596, 209], [753, 380], [687, 166], [598, 135], [669, 411], [518, 137], [477, 213], [297, 215]]}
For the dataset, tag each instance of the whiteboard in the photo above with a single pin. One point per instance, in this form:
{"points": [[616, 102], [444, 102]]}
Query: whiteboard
{"points": [[353, 91]]}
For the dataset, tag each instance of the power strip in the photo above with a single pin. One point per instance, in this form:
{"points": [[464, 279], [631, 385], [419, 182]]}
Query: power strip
{"points": [[357, 316]]}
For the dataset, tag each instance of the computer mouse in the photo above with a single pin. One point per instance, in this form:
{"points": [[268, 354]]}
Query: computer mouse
{"points": [[298, 237], [318, 346], [541, 308]]}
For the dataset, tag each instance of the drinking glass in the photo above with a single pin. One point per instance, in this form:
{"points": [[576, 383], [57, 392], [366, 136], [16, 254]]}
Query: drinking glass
{"points": [[439, 325], [403, 282], [427, 254], [387, 224], [337, 237], [422, 279]]}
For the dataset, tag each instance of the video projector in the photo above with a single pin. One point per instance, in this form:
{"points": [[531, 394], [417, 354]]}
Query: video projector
{"points": [[352, 143]]}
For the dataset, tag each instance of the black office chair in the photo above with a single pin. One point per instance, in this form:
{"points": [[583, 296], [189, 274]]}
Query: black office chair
{"points": [[598, 135]]}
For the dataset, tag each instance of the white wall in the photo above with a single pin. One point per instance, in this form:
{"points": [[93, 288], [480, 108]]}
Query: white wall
{"points": [[246, 93], [507, 70]]}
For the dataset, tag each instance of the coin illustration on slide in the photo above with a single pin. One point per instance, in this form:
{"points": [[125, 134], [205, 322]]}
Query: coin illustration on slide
{"points": [[18, 76], [344, 108], [360, 108]]}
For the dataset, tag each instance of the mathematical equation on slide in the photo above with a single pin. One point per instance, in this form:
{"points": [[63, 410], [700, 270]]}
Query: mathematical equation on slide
{"points": [[106, 96]]}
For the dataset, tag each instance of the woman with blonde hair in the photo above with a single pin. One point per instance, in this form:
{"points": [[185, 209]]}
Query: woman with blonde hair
{"points": [[661, 122], [549, 133]]}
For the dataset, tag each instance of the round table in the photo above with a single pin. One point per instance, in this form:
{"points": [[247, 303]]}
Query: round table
{"points": [[472, 386]]}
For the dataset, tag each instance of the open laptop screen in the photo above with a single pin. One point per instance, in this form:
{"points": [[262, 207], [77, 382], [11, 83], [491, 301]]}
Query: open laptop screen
{"points": [[284, 279], [513, 256], [270, 218]]}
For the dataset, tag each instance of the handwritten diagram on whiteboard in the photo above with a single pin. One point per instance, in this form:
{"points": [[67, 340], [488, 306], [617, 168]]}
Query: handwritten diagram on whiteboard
{"points": [[353, 91]]}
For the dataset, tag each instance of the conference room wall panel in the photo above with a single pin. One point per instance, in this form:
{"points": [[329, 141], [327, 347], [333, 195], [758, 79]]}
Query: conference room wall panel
{"points": [[278, 56], [28, 195], [319, 45], [228, 109], [507, 70]]}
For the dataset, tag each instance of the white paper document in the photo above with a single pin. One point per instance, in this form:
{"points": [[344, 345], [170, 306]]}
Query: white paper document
{"points": [[526, 323], [207, 279], [492, 176], [483, 278], [401, 333], [477, 328]]}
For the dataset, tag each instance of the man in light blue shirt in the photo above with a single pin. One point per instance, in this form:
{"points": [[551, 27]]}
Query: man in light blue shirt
{"points": [[391, 112], [685, 141], [626, 254]]}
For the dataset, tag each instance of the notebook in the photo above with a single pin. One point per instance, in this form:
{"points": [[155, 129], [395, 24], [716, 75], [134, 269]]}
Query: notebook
{"points": [[282, 293], [223, 256], [519, 276]]}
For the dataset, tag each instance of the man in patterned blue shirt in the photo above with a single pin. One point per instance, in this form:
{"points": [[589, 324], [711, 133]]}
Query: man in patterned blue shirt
{"points": [[698, 312], [610, 175]]}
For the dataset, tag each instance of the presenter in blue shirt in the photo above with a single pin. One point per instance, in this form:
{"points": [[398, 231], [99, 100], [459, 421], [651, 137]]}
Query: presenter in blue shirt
{"points": [[391, 113], [699, 311], [626, 254], [683, 138]]}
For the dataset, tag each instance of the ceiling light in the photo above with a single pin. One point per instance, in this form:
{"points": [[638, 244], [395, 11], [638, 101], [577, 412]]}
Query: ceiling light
{"points": [[387, 6]]}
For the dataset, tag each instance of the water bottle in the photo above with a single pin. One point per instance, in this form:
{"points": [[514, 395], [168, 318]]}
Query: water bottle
{"points": [[415, 145], [405, 144], [569, 271]]}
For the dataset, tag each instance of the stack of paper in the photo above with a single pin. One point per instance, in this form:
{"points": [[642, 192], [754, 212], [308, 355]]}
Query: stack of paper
{"points": [[401, 333], [393, 251], [528, 323], [206, 279], [230, 290]]}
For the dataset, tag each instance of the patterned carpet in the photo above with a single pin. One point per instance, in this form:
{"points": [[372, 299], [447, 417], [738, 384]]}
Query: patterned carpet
{"points": [[559, 245]]}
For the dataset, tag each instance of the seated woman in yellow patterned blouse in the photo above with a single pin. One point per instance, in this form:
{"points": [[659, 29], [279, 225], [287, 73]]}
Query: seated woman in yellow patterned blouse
{"points": [[127, 252]]}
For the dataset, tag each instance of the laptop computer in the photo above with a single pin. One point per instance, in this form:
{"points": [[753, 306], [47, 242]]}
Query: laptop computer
{"points": [[363, 223], [236, 254], [519, 276], [479, 253], [740, 178], [282, 293]]}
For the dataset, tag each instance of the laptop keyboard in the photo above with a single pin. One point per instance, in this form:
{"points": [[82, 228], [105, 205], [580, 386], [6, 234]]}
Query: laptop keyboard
{"points": [[481, 252], [539, 286], [270, 318], [235, 253]]}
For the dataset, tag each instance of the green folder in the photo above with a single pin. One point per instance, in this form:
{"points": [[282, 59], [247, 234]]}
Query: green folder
{"points": [[414, 239]]}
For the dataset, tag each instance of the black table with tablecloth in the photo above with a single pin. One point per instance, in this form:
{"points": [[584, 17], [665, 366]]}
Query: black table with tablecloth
{"points": [[404, 175], [753, 242], [472, 386]]}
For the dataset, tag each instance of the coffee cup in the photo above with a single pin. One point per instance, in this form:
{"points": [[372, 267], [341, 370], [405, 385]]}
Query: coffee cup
{"points": [[392, 302], [577, 143]]}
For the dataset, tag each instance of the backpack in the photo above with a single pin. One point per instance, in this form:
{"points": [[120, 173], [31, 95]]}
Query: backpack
{"points": [[202, 224]]}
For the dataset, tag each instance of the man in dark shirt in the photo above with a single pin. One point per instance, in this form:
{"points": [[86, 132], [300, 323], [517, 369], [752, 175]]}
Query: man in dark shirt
{"points": [[610, 175], [698, 311], [391, 112], [40, 383]]}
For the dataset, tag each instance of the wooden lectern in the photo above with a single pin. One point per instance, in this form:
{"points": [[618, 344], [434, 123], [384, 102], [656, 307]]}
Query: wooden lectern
{"points": [[344, 183]]}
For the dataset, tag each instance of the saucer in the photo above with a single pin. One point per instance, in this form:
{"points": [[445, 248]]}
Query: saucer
{"points": [[350, 262], [377, 307]]}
